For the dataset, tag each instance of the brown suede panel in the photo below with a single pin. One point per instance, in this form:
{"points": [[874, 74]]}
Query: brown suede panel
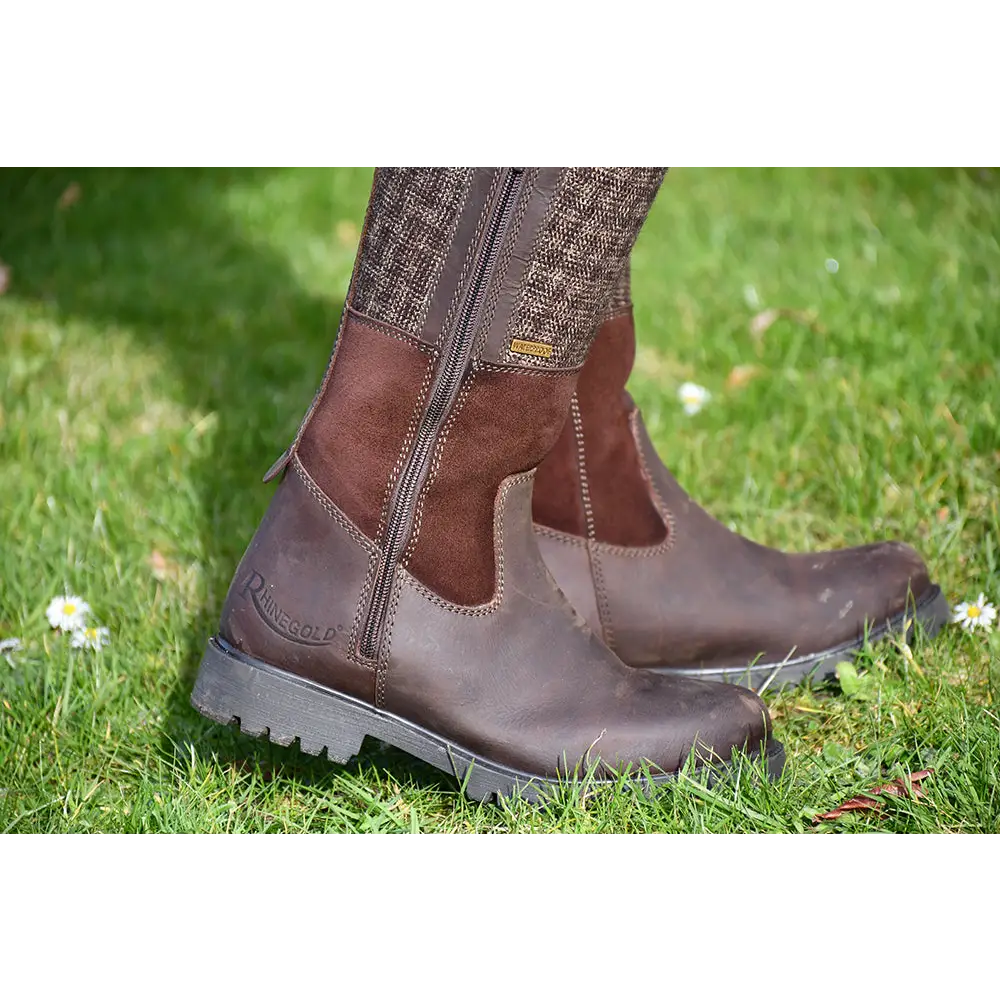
{"points": [[357, 431], [620, 497], [557, 500], [505, 424]]}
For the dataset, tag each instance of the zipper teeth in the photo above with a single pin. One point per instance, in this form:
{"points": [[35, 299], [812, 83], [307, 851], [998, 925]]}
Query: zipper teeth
{"points": [[437, 409]]}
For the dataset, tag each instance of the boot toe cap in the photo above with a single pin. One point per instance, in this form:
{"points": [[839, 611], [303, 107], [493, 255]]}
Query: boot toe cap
{"points": [[686, 717], [891, 576], [905, 574]]}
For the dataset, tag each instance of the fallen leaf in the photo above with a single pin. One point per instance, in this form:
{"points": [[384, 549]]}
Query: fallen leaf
{"points": [[162, 567], [741, 375], [347, 233], [4, 277], [941, 410], [901, 787], [763, 321], [69, 197]]}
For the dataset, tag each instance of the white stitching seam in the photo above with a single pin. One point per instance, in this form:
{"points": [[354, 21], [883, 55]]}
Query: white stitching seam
{"points": [[633, 551], [499, 517], [377, 326], [366, 543]]}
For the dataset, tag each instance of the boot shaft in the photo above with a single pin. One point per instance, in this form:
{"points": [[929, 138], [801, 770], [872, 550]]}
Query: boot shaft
{"points": [[472, 306], [594, 483]]}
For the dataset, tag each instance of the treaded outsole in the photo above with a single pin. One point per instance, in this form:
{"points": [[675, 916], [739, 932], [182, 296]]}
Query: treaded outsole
{"points": [[267, 701], [931, 612]]}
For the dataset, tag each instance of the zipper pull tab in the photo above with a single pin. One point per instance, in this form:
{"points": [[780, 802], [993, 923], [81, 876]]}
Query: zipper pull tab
{"points": [[279, 467]]}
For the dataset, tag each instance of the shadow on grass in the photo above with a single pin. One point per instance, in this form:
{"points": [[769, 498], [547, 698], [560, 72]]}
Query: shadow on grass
{"points": [[159, 255]]}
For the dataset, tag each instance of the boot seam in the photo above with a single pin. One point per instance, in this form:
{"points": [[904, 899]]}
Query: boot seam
{"points": [[499, 519], [560, 536], [493, 298], [470, 259], [433, 470], [388, 330], [669, 521], [513, 369], [615, 314], [331, 508], [593, 554], [404, 451], [581, 467], [566, 538], [366, 543], [603, 606], [382, 663], [626, 551]]}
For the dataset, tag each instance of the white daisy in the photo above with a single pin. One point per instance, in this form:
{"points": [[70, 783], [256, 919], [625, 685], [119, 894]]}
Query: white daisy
{"points": [[694, 397], [68, 613], [975, 614], [92, 637]]}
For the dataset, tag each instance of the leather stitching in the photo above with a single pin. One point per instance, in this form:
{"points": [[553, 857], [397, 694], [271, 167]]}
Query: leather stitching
{"points": [[499, 518], [560, 536], [581, 465], [593, 556], [366, 543], [404, 451], [509, 369], [470, 257], [626, 551], [378, 326], [330, 507], [507, 252]]}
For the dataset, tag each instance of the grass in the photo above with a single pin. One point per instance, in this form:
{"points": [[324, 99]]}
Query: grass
{"points": [[163, 335]]}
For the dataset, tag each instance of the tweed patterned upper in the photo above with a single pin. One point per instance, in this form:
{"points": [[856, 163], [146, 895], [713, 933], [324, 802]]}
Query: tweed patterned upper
{"points": [[411, 221], [578, 257]]}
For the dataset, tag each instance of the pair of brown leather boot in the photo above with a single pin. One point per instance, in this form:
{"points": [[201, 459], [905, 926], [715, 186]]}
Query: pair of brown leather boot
{"points": [[396, 588]]}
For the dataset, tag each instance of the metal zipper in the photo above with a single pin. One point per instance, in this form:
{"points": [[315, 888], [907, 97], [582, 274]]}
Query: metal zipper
{"points": [[447, 385]]}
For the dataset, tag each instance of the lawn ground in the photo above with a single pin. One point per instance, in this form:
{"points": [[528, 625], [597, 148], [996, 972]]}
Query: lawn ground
{"points": [[163, 333]]}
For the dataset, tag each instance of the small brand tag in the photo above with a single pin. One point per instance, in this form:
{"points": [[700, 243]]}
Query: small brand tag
{"points": [[531, 347]]}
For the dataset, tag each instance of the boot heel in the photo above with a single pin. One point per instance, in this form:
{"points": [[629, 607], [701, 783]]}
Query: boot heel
{"points": [[268, 702]]}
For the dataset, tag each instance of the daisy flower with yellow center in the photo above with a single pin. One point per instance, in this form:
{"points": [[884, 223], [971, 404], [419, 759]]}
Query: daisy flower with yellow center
{"points": [[975, 614], [693, 397], [68, 613], [93, 637]]}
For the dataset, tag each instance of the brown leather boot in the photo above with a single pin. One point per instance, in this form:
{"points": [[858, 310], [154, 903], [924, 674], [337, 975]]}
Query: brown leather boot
{"points": [[395, 588], [672, 590]]}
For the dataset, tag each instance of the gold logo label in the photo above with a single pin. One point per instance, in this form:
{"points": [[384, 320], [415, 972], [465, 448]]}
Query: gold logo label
{"points": [[531, 347]]}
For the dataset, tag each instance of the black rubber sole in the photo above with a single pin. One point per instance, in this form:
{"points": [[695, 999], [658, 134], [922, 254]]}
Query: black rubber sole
{"points": [[932, 611], [267, 701]]}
